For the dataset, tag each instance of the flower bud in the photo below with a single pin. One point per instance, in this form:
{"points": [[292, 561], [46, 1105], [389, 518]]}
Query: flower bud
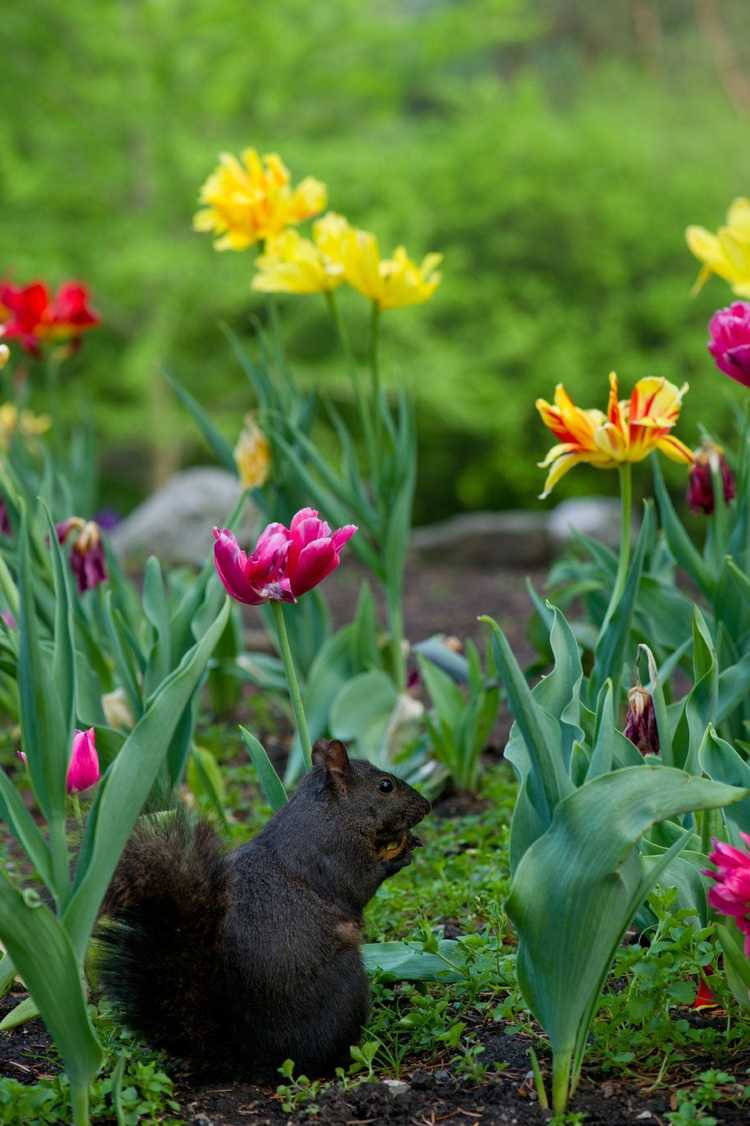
{"points": [[252, 455], [83, 769], [87, 559], [640, 723], [700, 493], [117, 709], [4, 355]]}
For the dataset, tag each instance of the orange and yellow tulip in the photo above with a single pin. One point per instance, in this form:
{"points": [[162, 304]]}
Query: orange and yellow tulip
{"points": [[629, 431]]}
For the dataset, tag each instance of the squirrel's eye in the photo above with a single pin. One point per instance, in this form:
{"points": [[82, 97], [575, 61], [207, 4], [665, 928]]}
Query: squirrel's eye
{"points": [[385, 785]]}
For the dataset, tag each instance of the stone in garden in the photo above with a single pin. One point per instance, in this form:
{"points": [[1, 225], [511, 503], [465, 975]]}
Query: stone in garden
{"points": [[517, 538], [396, 1086], [175, 523], [598, 517]]}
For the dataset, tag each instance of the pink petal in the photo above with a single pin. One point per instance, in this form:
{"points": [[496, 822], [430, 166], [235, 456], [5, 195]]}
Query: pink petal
{"points": [[343, 535], [315, 563], [231, 566]]}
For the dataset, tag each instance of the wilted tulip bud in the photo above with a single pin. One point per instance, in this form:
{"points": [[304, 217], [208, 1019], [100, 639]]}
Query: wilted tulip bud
{"points": [[116, 709], [700, 494], [87, 556], [640, 723], [4, 355], [9, 620], [83, 769], [252, 455]]}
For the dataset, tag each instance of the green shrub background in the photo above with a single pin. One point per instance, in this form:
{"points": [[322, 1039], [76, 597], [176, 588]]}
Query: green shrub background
{"points": [[553, 151]]}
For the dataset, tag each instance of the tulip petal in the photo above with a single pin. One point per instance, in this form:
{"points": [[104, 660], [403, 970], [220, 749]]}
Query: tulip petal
{"points": [[231, 565], [675, 450], [315, 563]]}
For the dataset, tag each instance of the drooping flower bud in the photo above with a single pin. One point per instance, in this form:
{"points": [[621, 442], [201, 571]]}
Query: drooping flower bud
{"points": [[83, 769], [700, 494], [640, 723], [252, 455], [87, 559]]}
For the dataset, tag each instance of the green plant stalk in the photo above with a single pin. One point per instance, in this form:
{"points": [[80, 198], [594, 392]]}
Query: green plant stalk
{"points": [[295, 695], [79, 1100], [541, 1091], [626, 528], [706, 820], [561, 1062], [58, 846], [346, 345], [395, 614], [375, 370]]}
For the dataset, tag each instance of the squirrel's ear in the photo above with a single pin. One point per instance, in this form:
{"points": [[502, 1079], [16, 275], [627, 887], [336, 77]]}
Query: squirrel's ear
{"points": [[333, 756]]}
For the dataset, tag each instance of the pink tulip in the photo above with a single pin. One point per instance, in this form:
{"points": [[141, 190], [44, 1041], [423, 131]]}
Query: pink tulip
{"points": [[729, 342], [83, 769], [286, 562], [730, 895]]}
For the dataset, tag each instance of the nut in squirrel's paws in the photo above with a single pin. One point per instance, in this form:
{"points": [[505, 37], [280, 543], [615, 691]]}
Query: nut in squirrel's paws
{"points": [[400, 848]]}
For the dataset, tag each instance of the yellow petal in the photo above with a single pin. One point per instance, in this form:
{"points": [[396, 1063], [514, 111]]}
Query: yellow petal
{"points": [[675, 449], [562, 466]]}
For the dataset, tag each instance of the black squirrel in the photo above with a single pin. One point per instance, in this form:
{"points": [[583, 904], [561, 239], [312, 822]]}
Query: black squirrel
{"points": [[237, 961]]}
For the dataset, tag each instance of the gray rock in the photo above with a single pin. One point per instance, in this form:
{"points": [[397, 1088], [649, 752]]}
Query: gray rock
{"points": [[598, 517], [396, 1086], [516, 538], [175, 523]]}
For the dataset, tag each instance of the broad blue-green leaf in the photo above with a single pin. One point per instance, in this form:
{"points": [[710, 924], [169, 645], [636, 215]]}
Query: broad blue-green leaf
{"points": [[362, 711], [128, 782], [700, 706], [43, 955], [271, 784], [26, 830], [720, 761], [407, 961], [577, 887]]}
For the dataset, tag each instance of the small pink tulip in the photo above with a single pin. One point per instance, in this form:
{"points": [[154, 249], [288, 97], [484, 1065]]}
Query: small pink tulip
{"points": [[730, 894], [83, 769], [286, 562]]}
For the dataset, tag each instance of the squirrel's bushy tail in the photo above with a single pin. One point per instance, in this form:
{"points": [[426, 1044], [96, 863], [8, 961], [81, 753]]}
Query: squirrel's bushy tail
{"points": [[160, 946]]}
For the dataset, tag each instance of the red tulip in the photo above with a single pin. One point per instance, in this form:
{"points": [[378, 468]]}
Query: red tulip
{"points": [[32, 316], [83, 768], [286, 562], [700, 493]]}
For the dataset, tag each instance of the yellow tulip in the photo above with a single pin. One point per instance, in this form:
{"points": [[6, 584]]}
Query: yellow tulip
{"points": [[293, 264], [252, 455], [727, 253], [629, 431], [251, 199], [29, 425], [391, 283]]}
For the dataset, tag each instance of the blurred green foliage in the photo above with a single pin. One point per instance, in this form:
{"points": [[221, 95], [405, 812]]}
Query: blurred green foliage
{"points": [[554, 151]]}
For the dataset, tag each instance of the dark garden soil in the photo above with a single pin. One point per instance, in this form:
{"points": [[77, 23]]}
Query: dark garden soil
{"points": [[426, 1094]]}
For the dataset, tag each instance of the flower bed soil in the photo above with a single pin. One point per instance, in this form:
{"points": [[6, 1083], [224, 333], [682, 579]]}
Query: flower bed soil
{"points": [[433, 1093]]}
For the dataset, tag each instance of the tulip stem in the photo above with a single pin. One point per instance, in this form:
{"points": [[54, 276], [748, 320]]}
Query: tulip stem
{"points": [[626, 525], [375, 368], [79, 1099], [346, 346], [396, 629], [295, 694]]}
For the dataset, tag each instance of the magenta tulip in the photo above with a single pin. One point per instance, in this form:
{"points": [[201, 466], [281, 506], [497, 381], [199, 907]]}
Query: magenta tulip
{"points": [[730, 894], [729, 343], [83, 768], [286, 562]]}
